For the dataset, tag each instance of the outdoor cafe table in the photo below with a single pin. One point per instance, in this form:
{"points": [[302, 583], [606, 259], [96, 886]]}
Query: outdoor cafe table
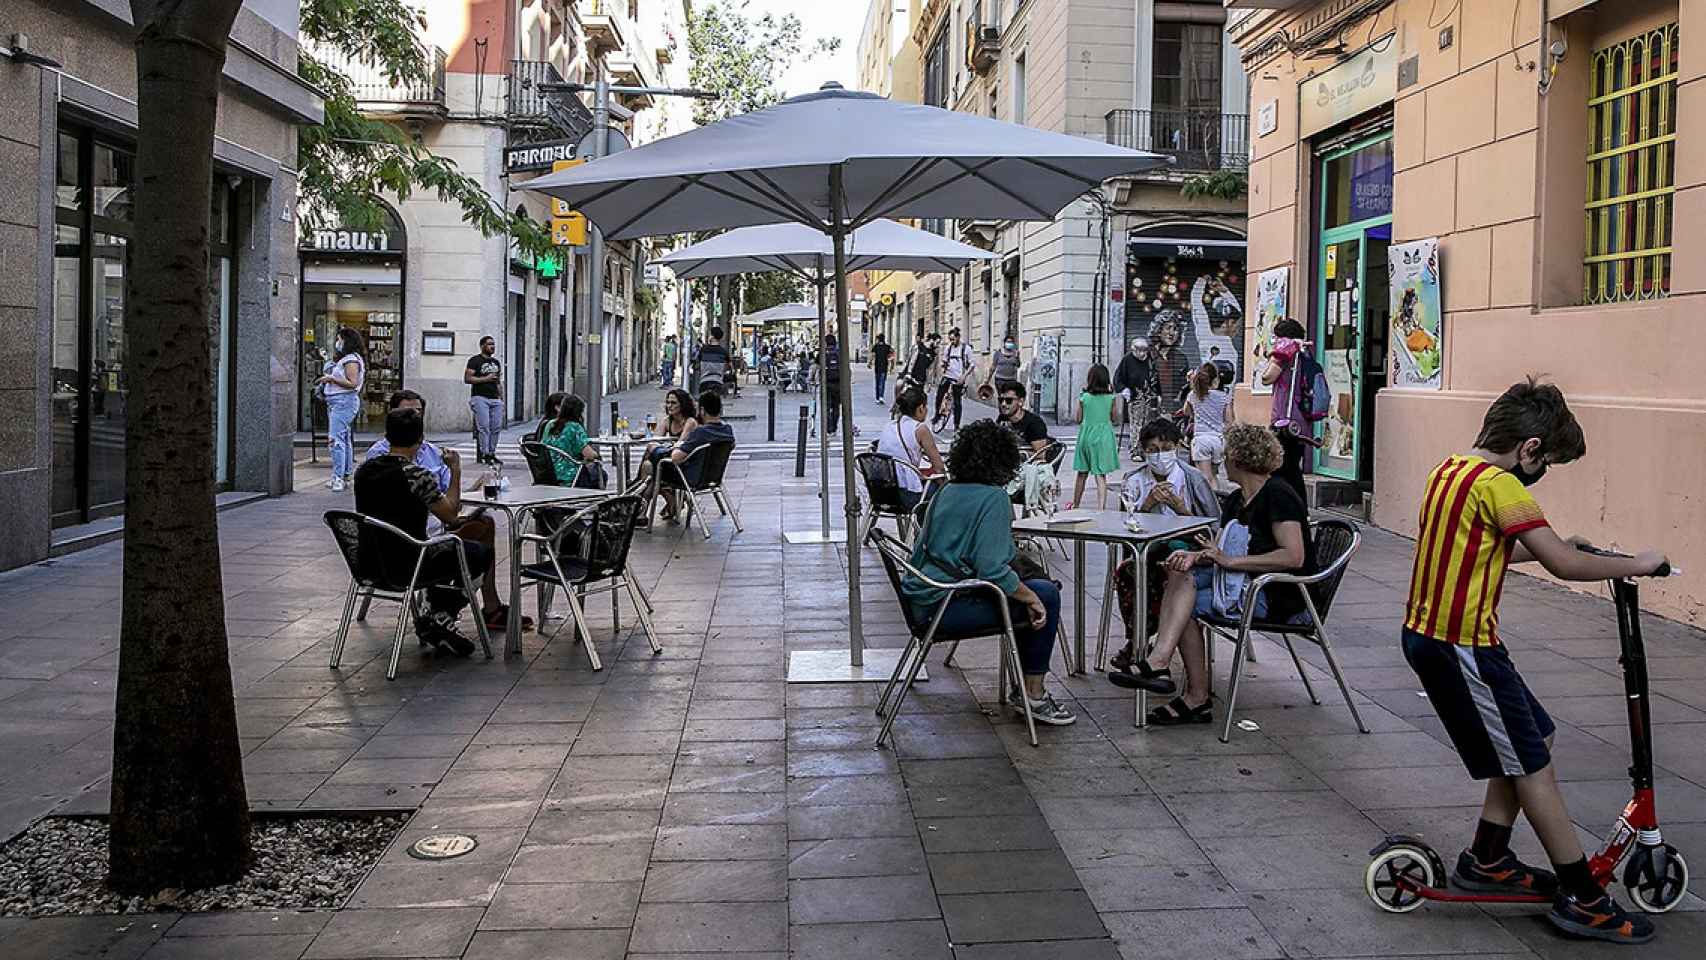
{"points": [[516, 503], [621, 448], [1108, 526]]}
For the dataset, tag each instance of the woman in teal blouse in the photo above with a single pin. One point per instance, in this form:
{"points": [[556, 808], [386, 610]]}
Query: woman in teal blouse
{"points": [[568, 434], [968, 534]]}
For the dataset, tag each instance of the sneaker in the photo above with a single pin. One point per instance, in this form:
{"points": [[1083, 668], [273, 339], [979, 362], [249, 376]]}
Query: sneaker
{"points": [[439, 629], [332, 481], [337, 484], [1507, 874], [1601, 919], [1048, 711]]}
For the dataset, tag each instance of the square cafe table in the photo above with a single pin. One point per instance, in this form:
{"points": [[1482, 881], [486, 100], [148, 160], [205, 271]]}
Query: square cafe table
{"points": [[1108, 526], [621, 448], [516, 503]]}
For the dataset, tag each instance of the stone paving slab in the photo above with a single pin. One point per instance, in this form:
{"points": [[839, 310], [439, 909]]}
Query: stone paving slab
{"points": [[694, 805]]}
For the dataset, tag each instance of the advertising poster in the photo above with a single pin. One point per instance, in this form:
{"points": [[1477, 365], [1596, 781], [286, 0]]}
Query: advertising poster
{"points": [[1272, 287], [1417, 325], [1045, 371]]}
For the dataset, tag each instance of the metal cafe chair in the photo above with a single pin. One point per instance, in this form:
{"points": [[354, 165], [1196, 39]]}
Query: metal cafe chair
{"points": [[712, 459], [590, 547], [881, 474], [362, 541], [924, 633], [1335, 542]]}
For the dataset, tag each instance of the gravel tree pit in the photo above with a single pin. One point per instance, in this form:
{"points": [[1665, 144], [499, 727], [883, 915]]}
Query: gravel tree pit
{"points": [[58, 867]]}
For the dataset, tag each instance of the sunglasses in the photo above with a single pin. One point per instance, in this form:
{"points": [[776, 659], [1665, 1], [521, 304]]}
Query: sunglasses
{"points": [[1007, 400]]}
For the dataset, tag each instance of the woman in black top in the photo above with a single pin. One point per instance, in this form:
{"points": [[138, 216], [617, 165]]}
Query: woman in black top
{"points": [[1278, 527]]}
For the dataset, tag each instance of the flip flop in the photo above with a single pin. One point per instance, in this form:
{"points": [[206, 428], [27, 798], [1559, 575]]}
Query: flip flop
{"points": [[1176, 712]]}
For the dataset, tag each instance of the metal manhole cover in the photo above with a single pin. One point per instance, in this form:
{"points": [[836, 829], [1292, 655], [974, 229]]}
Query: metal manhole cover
{"points": [[442, 846]]}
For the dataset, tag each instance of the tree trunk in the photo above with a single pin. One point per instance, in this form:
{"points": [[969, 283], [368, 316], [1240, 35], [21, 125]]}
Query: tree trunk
{"points": [[180, 816]]}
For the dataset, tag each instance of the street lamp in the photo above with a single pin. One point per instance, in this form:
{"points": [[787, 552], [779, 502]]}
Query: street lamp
{"points": [[591, 374]]}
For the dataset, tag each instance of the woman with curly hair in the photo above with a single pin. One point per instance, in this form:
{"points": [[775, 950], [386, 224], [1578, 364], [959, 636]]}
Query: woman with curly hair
{"points": [[968, 534], [1264, 515]]}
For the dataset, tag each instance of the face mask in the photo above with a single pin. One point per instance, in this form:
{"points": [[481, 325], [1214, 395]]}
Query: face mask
{"points": [[1528, 477], [1161, 462], [1008, 345]]}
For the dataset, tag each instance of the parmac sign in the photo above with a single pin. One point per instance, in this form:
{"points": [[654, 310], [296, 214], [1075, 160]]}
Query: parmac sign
{"points": [[537, 157]]}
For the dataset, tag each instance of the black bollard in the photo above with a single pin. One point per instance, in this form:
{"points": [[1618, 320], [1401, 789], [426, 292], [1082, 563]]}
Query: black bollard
{"points": [[800, 441], [772, 435], [613, 415]]}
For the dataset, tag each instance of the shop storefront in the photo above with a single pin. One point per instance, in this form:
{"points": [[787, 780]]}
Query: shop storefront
{"points": [[1183, 283], [90, 375], [353, 278]]}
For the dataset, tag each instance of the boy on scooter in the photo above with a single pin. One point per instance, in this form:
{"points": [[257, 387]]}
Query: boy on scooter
{"points": [[1477, 517]]}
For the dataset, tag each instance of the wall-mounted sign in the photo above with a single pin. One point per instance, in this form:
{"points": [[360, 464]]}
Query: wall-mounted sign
{"points": [[434, 342], [1267, 118], [1355, 86], [537, 157], [568, 228], [344, 238]]}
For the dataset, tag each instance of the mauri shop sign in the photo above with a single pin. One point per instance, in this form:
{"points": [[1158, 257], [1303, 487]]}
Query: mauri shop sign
{"points": [[537, 157], [343, 238]]}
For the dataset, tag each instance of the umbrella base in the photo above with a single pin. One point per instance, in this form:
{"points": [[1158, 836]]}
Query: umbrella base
{"points": [[832, 666], [814, 536]]}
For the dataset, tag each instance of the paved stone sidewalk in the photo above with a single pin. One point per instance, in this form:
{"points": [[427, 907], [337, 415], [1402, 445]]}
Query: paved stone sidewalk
{"points": [[693, 804]]}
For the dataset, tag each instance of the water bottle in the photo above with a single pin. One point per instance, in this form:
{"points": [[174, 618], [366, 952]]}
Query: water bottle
{"points": [[489, 482]]}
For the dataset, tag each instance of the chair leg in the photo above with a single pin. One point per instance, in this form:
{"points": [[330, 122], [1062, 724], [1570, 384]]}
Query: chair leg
{"points": [[366, 601], [616, 613], [471, 591], [894, 678], [403, 611], [729, 508], [1107, 606], [582, 628], [1333, 664], [343, 626], [1240, 652], [953, 648], [1308, 687], [1012, 644], [698, 515], [641, 590], [640, 610], [900, 696]]}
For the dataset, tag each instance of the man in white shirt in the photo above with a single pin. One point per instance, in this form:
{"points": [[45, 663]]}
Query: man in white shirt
{"points": [[956, 368]]}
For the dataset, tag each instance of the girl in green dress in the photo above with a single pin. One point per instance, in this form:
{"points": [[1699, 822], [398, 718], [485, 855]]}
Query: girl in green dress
{"points": [[1098, 451]]}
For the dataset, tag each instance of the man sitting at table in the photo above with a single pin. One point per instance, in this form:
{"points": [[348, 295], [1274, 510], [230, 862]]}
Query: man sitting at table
{"points": [[394, 488], [711, 428]]}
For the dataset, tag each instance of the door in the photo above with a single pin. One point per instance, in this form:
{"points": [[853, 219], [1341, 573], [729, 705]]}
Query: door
{"points": [[542, 356], [518, 362], [1337, 338]]}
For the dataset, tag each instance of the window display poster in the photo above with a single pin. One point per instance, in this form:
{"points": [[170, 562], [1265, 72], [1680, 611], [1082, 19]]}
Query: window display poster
{"points": [[1272, 287], [1418, 328], [1045, 371]]}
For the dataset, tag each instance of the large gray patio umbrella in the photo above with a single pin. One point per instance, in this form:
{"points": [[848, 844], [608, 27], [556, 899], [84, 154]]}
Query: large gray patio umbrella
{"points": [[803, 251], [834, 161]]}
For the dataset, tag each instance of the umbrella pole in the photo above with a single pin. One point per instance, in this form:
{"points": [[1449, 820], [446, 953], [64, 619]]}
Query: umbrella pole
{"points": [[838, 234], [822, 411]]}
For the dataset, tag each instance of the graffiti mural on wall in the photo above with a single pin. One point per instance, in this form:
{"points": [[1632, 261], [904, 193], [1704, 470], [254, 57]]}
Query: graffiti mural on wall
{"points": [[1190, 312]]}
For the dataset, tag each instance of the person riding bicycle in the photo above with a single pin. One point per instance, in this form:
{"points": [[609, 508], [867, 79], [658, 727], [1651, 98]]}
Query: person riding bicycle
{"points": [[920, 361], [957, 365], [1477, 517]]}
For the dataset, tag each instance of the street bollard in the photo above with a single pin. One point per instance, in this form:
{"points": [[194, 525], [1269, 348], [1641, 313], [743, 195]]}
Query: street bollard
{"points": [[800, 441], [613, 414], [772, 437]]}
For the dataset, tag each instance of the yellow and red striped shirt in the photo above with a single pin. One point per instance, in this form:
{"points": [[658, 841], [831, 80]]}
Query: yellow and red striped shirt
{"points": [[1470, 517]]}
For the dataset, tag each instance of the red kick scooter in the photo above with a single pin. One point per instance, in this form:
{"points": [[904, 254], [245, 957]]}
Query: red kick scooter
{"points": [[1406, 872]]}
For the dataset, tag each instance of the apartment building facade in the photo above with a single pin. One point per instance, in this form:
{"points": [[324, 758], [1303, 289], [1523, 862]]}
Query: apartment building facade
{"points": [[888, 65], [1543, 146], [67, 148], [428, 289], [1138, 259]]}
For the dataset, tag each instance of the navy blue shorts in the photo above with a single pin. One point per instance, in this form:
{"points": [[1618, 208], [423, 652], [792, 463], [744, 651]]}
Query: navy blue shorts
{"points": [[1495, 723]]}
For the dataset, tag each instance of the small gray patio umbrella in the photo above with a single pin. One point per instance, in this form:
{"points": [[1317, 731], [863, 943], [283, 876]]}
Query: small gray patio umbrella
{"points": [[834, 161], [801, 250]]}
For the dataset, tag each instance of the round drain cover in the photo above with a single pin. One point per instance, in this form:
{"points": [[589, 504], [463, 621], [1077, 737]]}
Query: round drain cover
{"points": [[442, 846]]}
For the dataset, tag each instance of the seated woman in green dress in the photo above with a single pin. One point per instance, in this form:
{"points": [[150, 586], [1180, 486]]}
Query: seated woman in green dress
{"points": [[567, 433]]}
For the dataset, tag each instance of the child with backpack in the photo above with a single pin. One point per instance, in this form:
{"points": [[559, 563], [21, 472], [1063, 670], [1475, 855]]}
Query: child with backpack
{"points": [[1301, 398]]}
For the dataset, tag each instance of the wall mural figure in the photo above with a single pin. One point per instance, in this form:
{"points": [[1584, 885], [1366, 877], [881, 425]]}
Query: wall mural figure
{"points": [[1188, 311]]}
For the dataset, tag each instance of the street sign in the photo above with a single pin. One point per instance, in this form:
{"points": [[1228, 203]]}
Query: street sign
{"points": [[537, 157], [568, 228]]}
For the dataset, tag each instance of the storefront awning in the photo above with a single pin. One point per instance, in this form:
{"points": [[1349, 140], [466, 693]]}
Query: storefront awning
{"points": [[1186, 248]]}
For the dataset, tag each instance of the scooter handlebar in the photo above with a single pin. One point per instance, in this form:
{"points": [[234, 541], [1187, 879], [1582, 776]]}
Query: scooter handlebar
{"points": [[1666, 569]]}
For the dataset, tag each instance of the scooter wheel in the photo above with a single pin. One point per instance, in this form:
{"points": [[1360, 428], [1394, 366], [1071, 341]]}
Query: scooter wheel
{"points": [[1656, 878], [1411, 865]]}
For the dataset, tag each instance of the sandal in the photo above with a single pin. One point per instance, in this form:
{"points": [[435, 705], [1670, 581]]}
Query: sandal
{"points": [[1176, 712], [499, 620], [1121, 661], [1146, 678]]}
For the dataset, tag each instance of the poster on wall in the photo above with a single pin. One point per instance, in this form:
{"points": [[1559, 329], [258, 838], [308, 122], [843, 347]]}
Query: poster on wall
{"points": [[1186, 307], [1045, 371], [1272, 287], [1417, 325]]}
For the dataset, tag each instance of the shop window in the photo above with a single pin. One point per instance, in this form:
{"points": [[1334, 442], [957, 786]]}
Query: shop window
{"points": [[1631, 177]]}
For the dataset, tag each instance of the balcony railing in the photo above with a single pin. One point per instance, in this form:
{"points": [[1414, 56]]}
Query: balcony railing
{"points": [[1197, 140], [375, 92], [528, 104]]}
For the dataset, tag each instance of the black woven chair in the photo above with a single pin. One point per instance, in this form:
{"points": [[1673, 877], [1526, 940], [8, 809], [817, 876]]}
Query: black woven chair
{"points": [[881, 474], [539, 466], [588, 553], [363, 542], [1335, 542], [711, 461], [923, 633]]}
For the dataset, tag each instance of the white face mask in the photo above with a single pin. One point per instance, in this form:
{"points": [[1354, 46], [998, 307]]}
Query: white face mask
{"points": [[1161, 462]]}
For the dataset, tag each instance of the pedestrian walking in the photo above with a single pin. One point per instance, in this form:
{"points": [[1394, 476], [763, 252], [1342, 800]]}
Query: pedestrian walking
{"points": [[1293, 429], [340, 383], [1134, 378], [1098, 450], [831, 384], [483, 375], [1210, 405], [669, 351], [1003, 369], [881, 355]]}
